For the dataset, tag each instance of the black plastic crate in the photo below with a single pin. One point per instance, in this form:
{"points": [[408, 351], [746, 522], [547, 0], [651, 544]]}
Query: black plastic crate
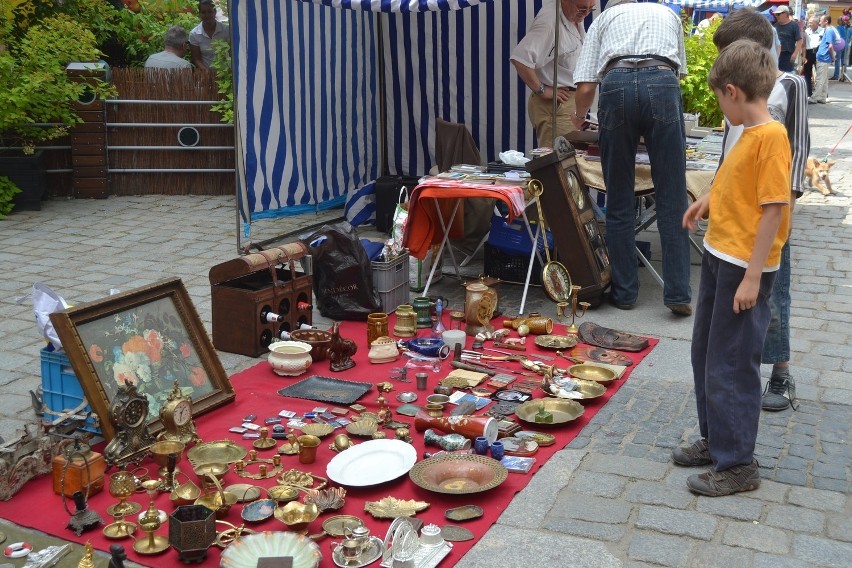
{"points": [[509, 267]]}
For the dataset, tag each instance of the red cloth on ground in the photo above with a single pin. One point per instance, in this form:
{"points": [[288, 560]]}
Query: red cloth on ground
{"points": [[423, 228], [36, 505]]}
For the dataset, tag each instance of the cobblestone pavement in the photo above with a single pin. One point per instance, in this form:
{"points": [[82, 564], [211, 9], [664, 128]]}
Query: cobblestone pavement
{"points": [[612, 497]]}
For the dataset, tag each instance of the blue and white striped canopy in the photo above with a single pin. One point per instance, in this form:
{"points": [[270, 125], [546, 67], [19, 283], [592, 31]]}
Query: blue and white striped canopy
{"points": [[712, 3], [393, 6]]}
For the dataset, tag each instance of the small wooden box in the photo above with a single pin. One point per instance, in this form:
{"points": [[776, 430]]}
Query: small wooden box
{"points": [[242, 290], [76, 477]]}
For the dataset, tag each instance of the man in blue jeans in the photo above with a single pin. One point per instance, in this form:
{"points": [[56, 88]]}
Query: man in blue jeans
{"points": [[639, 96]]}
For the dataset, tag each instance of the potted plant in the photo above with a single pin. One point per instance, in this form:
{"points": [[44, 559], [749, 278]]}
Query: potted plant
{"points": [[37, 96]]}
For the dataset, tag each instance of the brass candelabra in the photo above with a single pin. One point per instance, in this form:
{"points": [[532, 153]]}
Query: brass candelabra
{"points": [[562, 308]]}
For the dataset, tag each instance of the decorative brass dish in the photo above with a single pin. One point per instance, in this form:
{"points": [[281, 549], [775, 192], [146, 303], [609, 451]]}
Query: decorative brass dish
{"points": [[258, 511], [542, 438], [283, 493], [391, 507], [318, 430], [365, 427], [464, 513], [590, 372], [302, 479], [586, 390], [326, 499], [245, 492], [337, 525], [458, 473], [561, 411], [220, 451], [297, 515], [556, 341]]}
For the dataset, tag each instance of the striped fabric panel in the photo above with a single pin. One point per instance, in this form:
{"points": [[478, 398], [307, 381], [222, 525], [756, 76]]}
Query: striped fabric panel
{"points": [[305, 80], [394, 6], [456, 66], [713, 3]]}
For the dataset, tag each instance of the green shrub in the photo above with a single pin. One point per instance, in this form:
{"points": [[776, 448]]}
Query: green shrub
{"points": [[8, 190], [698, 97]]}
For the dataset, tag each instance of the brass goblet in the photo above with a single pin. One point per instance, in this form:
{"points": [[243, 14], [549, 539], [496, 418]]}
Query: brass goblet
{"points": [[121, 486], [161, 452]]}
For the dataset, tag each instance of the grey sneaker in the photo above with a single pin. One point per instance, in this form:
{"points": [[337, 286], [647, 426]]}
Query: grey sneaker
{"points": [[780, 383], [719, 483], [698, 453]]}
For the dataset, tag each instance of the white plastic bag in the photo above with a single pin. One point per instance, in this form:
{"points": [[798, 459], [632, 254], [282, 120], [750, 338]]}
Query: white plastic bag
{"points": [[45, 302]]}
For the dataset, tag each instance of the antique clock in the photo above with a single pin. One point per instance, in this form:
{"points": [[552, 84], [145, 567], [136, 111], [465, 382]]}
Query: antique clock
{"points": [[580, 246], [128, 412], [176, 416]]}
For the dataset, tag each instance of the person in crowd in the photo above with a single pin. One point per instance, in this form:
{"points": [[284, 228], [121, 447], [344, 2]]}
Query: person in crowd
{"points": [[790, 36], [840, 60], [813, 35], [705, 24], [533, 59], [788, 105], [639, 96], [748, 208], [172, 57], [201, 37], [825, 57]]}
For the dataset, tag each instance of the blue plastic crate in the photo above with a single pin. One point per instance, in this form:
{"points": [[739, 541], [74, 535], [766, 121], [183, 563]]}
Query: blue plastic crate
{"points": [[60, 389], [512, 238]]}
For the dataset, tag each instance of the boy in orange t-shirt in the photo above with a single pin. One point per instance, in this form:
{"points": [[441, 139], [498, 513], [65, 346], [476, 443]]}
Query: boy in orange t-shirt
{"points": [[749, 211]]}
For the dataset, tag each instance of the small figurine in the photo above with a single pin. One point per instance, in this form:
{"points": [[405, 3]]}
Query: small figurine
{"points": [[340, 350], [118, 556], [87, 561]]}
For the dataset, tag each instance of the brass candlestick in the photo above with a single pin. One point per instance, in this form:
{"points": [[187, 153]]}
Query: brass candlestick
{"points": [[119, 528], [149, 524], [264, 442], [562, 307]]}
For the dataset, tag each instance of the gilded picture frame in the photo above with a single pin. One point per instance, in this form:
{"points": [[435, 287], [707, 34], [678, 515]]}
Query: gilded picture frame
{"points": [[150, 336]]}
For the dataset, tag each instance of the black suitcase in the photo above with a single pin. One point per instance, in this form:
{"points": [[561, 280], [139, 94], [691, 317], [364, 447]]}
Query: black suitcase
{"points": [[387, 198]]}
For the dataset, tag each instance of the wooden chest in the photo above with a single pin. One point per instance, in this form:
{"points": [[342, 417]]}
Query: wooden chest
{"points": [[579, 244], [257, 296]]}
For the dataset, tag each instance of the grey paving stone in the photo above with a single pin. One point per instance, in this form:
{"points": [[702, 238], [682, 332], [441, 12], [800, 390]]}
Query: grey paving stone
{"points": [[627, 466], [599, 484], [793, 518], [732, 506], [756, 537], [590, 508], [675, 522], [721, 555], [762, 560], [828, 484], [659, 549], [791, 476], [534, 503], [597, 531], [840, 527], [808, 453], [821, 551], [651, 493], [816, 499], [499, 549]]}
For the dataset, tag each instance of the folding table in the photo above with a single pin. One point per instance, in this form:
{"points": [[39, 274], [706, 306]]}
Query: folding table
{"points": [[426, 225]]}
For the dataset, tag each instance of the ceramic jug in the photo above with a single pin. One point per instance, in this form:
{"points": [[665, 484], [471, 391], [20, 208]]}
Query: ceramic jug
{"points": [[377, 326], [406, 321], [477, 296], [423, 309]]}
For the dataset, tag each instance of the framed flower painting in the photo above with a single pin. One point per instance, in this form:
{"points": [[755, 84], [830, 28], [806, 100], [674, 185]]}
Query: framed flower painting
{"points": [[150, 337]]}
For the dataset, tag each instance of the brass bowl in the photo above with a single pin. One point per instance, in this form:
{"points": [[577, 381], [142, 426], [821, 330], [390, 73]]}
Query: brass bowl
{"points": [[590, 372], [318, 430], [217, 501], [185, 494], [588, 389], [297, 515], [160, 451], [561, 411], [318, 340], [207, 470]]}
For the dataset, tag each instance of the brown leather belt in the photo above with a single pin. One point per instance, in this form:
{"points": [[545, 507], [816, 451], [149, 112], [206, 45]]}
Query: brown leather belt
{"points": [[641, 64]]}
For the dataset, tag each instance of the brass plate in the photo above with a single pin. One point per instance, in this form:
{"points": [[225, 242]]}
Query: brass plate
{"points": [[283, 493], [590, 372], [391, 507], [589, 390], [556, 341], [458, 473], [563, 410], [541, 438], [245, 492], [336, 526], [464, 513], [220, 451], [453, 533]]}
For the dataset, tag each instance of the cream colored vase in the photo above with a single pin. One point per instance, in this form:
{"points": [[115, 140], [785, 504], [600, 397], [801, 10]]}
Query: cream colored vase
{"points": [[290, 358]]}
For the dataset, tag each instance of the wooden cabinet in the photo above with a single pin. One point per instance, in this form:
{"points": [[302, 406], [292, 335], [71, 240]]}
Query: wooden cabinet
{"points": [[569, 215]]}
